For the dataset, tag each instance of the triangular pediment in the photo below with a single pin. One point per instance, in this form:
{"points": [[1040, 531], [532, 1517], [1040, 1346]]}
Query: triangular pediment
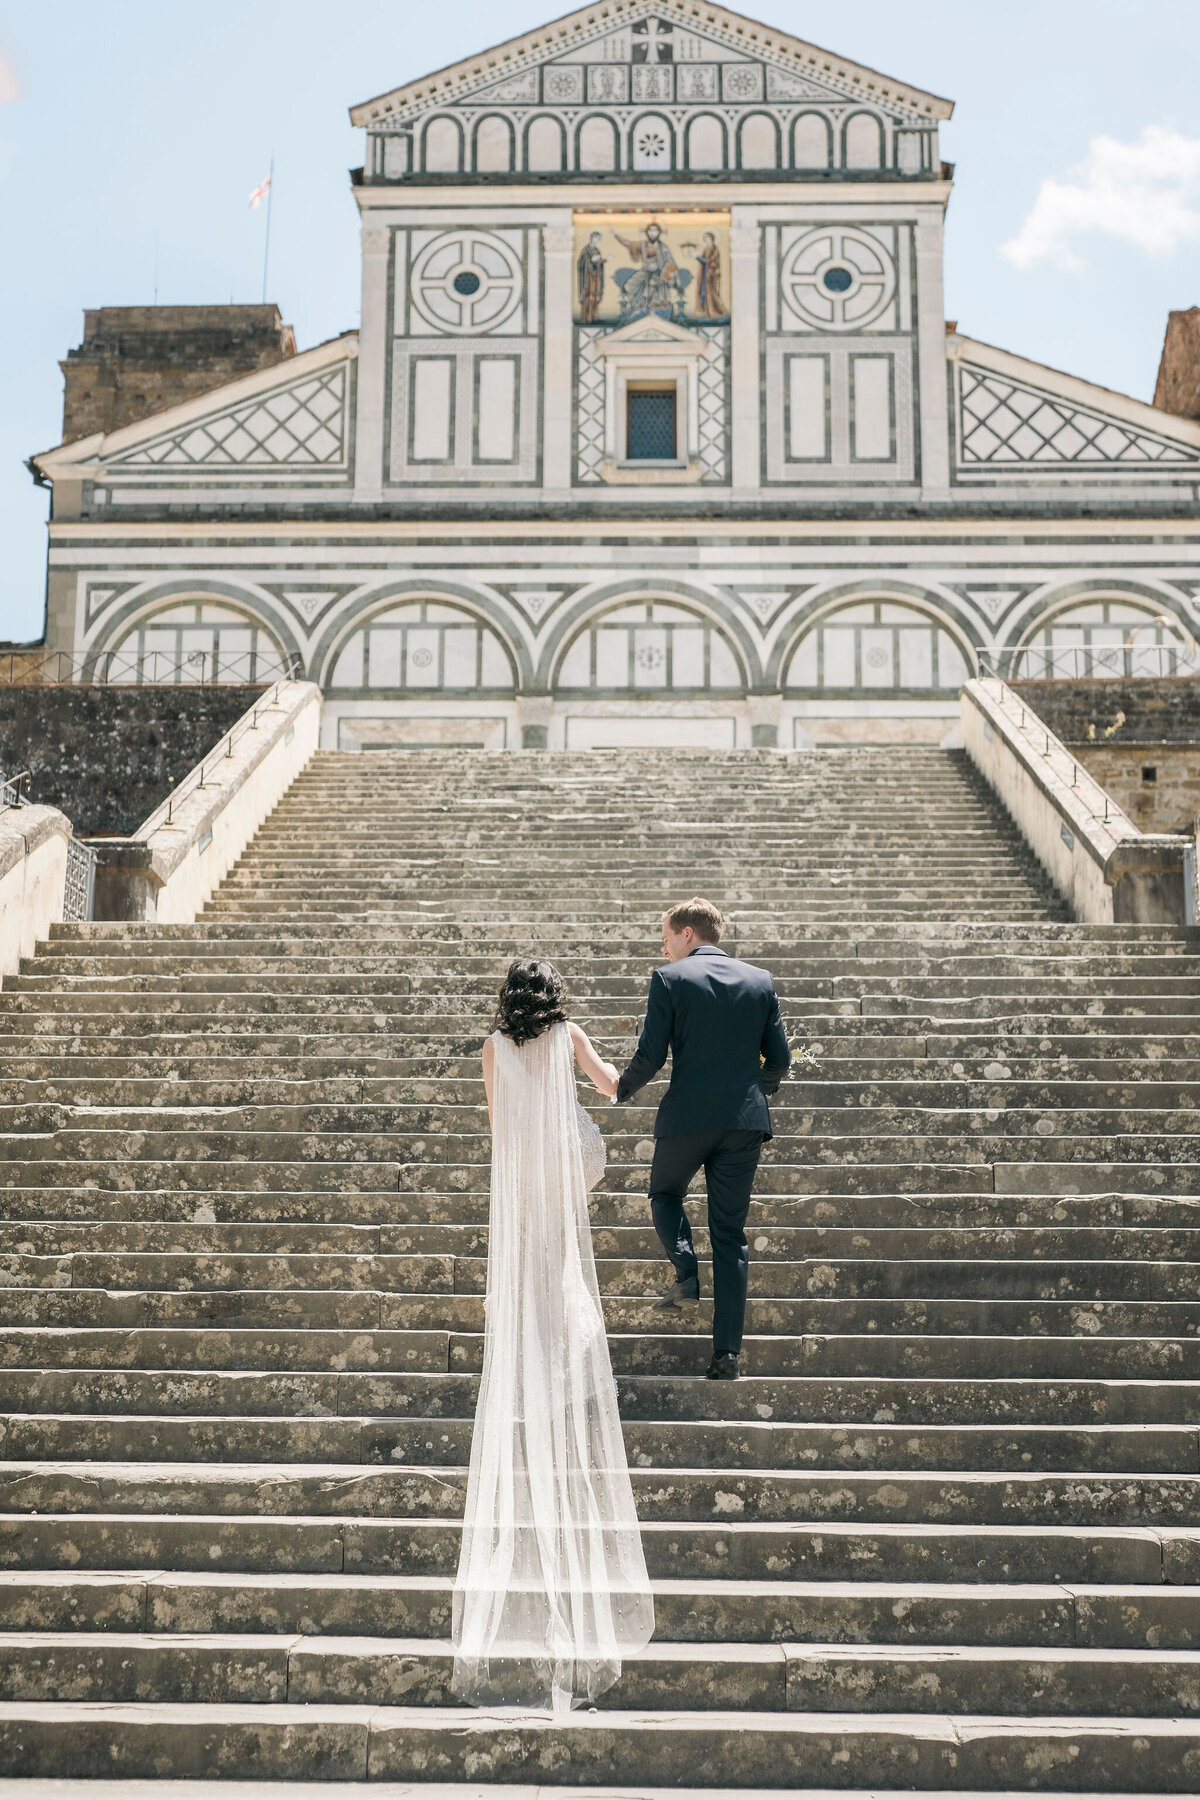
{"points": [[1015, 416], [294, 417], [651, 329], [623, 53]]}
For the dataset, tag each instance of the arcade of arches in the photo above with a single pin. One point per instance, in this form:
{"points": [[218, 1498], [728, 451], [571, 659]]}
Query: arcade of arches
{"points": [[642, 671]]}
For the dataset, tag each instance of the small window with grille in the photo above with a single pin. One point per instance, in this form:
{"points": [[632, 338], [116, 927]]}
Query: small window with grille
{"points": [[650, 420]]}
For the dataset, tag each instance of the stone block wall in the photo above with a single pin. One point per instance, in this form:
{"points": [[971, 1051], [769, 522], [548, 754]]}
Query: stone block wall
{"points": [[1178, 387], [1158, 785], [137, 360], [1140, 739], [108, 756]]}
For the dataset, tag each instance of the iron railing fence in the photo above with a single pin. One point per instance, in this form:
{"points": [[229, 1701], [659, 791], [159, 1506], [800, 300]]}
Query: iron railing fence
{"points": [[1092, 662], [153, 668], [14, 789], [207, 766], [79, 900], [79, 897]]}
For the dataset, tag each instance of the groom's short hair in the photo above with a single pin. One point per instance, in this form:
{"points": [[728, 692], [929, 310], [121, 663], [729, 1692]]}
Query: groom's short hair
{"points": [[703, 917]]}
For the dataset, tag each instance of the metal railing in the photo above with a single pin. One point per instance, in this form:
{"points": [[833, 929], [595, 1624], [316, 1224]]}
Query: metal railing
{"points": [[222, 750], [14, 791], [153, 668], [80, 896], [1091, 662], [1101, 808]]}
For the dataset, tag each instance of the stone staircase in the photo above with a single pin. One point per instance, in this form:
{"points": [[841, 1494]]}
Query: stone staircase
{"points": [[946, 1533]]}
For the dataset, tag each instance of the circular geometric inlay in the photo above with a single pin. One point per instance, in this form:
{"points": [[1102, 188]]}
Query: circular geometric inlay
{"points": [[838, 278], [876, 659], [651, 143], [422, 659], [650, 656], [466, 281]]}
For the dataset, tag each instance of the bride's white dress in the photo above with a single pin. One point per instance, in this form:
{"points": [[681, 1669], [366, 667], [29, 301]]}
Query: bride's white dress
{"points": [[552, 1588]]}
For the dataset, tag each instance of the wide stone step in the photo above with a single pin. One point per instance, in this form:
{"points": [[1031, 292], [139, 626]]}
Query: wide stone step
{"points": [[730, 1551], [1140, 1449], [694, 1611], [216, 1667], [967, 1754]]}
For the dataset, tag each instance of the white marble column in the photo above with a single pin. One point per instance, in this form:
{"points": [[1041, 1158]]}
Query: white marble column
{"points": [[372, 364], [745, 379], [558, 335], [931, 337]]}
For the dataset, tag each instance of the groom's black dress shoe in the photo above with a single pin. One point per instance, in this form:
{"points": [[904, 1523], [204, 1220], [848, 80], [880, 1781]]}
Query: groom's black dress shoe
{"points": [[722, 1368], [684, 1293]]}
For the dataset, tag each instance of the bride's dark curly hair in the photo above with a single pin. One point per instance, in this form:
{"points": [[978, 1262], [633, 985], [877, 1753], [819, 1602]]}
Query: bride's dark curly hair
{"points": [[533, 998]]}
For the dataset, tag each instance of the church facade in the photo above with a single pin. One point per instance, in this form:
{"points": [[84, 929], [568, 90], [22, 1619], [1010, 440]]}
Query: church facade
{"points": [[653, 432]]}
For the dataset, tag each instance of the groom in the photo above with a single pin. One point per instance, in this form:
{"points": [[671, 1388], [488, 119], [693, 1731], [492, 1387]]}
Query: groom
{"points": [[720, 1020]]}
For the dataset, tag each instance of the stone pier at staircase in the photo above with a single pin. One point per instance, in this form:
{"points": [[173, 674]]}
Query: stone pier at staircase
{"points": [[944, 1535]]}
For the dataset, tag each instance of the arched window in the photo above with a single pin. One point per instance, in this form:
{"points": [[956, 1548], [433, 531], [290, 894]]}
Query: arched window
{"points": [[493, 145], [646, 645], [195, 640], [597, 144], [1106, 639], [544, 146], [876, 644], [758, 143], [864, 142], [443, 147], [811, 142], [706, 143], [423, 644]]}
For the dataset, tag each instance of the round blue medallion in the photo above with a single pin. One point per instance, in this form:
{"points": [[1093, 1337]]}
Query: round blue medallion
{"points": [[838, 280], [467, 282]]}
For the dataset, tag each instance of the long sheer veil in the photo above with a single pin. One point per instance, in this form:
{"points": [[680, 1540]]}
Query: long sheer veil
{"points": [[552, 1589]]}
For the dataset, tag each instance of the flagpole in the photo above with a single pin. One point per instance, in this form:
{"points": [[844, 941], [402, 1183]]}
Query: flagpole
{"points": [[267, 244]]}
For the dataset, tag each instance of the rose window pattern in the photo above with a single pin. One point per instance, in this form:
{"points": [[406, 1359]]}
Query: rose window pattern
{"points": [[649, 644], [466, 281], [423, 644], [652, 143], [838, 279]]}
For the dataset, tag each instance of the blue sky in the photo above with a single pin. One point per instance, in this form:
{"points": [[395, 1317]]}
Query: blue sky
{"points": [[1074, 228]]}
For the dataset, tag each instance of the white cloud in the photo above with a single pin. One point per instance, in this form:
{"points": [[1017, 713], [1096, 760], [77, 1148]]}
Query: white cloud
{"points": [[1145, 194]]}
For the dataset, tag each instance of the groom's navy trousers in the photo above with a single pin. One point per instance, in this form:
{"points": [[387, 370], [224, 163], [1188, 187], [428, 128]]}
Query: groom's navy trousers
{"points": [[719, 1019], [729, 1160]]}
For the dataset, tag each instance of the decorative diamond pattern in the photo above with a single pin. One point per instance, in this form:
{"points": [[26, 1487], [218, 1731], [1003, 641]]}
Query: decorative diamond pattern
{"points": [[302, 425], [1002, 422], [590, 403], [713, 409]]}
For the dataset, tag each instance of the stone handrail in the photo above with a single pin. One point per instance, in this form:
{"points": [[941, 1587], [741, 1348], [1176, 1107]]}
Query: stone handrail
{"points": [[169, 868], [33, 879], [1103, 865]]}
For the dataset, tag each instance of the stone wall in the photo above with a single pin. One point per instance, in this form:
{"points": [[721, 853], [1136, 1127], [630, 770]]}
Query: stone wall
{"points": [[1140, 739], [108, 756], [1158, 785], [136, 360], [1178, 387]]}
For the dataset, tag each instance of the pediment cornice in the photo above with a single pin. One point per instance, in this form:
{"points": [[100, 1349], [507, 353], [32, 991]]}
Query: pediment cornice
{"points": [[739, 38]]}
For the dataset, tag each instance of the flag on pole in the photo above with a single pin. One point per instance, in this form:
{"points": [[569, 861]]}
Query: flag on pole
{"points": [[260, 193]]}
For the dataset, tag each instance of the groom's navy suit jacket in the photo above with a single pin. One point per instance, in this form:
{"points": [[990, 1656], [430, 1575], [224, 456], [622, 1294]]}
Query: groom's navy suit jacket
{"points": [[719, 1018]]}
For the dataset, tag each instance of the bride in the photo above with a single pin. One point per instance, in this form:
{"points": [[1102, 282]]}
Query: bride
{"points": [[552, 1588]]}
